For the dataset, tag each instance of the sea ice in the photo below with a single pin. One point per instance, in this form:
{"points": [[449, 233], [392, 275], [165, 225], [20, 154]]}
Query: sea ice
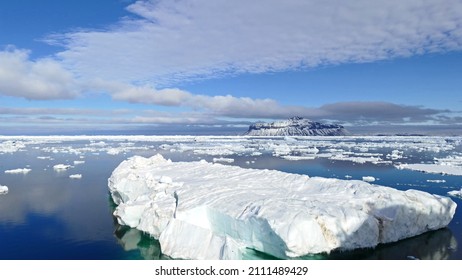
{"points": [[61, 167], [432, 168], [456, 193], [3, 189], [223, 159], [201, 210], [368, 179], [75, 176], [18, 171]]}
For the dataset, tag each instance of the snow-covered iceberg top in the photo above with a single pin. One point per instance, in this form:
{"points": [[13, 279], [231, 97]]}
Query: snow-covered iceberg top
{"points": [[201, 210]]}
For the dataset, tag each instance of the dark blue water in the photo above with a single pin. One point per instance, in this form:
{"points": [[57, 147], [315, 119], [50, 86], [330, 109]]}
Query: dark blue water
{"points": [[47, 215]]}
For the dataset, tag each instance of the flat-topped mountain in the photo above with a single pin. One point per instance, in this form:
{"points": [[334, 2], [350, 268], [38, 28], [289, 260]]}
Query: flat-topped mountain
{"points": [[295, 126]]}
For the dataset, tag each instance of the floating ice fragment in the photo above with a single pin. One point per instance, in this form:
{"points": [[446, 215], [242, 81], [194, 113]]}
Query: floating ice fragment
{"points": [[3, 189], [456, 193], [61, 167], [436, 181], [222, 159], [368, 179], [75, 176], [18, 171], [44, 157], [432, 168]]}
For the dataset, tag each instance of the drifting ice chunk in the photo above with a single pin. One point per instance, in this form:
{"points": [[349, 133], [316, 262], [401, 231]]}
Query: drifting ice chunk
{"points": [[368, 179], [456, 193], [432, 168], [18, 171], [3, 189], [214, 211], [75, 176], [61, 167]]}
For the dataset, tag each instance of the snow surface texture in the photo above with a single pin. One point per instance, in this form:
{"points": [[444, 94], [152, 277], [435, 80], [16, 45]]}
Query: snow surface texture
{"points": [[201, 210], [295, 126], [3, 189]]}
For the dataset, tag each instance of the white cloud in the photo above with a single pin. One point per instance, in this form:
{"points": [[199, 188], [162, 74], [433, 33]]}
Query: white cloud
{"points": [[220, 105], [42, 79], [245, 107], [169, 41]]}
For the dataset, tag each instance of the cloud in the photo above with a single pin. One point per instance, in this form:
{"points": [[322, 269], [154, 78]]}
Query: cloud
{"points": [[379, 112], [244, 107], [229, 111], [165, 42], [219, 106], [43, 79]]}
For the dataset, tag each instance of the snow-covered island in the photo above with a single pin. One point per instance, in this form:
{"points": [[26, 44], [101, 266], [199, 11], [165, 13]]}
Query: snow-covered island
{"points": [[295, 126], [201, 210]]}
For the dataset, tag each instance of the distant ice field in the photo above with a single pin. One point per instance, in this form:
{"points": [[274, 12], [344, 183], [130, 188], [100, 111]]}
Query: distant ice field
{"points": [[58, 207]]}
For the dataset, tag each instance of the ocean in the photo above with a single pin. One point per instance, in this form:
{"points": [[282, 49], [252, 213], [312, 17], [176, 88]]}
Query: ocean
{"points": [[49, 214]]}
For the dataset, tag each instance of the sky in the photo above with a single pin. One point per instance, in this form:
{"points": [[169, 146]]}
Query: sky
{"points": [[154, 66]]}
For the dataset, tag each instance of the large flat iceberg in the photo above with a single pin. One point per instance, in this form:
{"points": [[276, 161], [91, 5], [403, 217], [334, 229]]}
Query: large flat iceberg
{"points": [[201, 210]]}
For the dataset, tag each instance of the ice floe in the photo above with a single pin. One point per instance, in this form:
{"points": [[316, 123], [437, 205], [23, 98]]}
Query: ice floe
{"points": [[75, 176], [61, 167], [436, 181], [3, 189], [456, 193], [368, 179], [201, 210], [18, 171], [222, 159], [432, 168]]}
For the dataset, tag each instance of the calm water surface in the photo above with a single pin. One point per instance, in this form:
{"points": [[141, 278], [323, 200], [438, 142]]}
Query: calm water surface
{"points": [[47, 215]]}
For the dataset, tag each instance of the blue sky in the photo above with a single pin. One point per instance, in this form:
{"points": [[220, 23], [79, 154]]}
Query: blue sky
{"points": [[82, 65]]}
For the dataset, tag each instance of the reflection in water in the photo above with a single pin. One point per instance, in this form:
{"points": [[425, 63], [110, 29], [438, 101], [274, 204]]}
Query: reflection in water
{"points": [[134, 240], [434, 245]]}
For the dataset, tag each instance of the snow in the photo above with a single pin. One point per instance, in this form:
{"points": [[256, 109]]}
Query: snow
{"points": [[75, 176], [18, 171], [3, 189], [368, 179], [200, 210]]}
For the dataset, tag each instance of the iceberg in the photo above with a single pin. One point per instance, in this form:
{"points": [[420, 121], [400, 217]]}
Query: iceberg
{"points": [[3, 189], [202, 210]]}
